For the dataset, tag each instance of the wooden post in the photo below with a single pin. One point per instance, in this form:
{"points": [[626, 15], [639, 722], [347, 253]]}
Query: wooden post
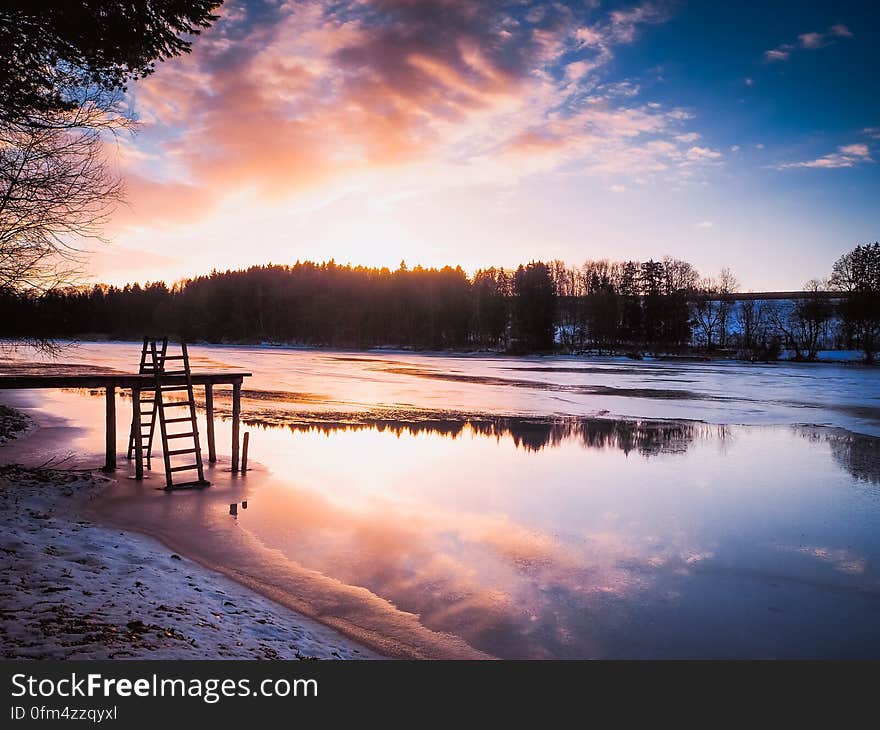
{"points": [[110, 450], [244, 448], [209, 414], [236, 418], [136, 427]]}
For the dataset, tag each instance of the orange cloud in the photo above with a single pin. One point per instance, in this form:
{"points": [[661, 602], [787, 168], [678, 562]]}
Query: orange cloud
{"points": [[160, 202], [278, 98]]}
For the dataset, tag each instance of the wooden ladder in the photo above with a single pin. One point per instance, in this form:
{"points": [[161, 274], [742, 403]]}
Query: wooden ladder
{"points": [[186, 442], [137, 435]]}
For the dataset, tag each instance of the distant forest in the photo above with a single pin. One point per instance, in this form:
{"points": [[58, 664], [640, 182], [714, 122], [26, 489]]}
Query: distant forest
{"points": [[649, 306]]}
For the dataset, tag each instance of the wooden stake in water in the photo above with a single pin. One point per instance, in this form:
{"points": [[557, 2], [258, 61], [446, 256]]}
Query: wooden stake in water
{"points": [[244, 449]]}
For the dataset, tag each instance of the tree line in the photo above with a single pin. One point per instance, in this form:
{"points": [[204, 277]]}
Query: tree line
{"points": [[632, 306]]}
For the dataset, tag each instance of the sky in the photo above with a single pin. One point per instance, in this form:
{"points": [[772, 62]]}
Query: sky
{"points": [[742, 135]]}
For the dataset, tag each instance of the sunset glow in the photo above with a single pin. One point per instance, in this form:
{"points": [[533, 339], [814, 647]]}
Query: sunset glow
{"points": [[493, 133]]}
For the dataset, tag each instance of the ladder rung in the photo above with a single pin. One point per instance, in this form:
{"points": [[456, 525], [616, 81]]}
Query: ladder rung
{"points": [[180, 435], [176, 452], [177, 420], [173, 357], [174, 372], [177, 403], [188, 467], [147, 400]]}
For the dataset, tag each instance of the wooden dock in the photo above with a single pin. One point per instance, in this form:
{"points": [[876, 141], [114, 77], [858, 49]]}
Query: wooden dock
{"points": [[39, 377]]}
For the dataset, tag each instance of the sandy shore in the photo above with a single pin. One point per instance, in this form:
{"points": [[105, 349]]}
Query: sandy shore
{"points": [[72, 589]]}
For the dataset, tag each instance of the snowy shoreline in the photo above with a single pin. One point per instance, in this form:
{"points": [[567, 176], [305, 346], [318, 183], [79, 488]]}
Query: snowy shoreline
{"points": [[73, 589]]}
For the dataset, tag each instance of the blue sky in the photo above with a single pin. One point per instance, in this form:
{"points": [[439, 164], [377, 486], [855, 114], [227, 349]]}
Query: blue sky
{"points": [[742, 135]]}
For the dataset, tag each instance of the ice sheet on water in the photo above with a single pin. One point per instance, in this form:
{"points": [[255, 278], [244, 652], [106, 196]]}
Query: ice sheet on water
{"points": [[290, 384]]}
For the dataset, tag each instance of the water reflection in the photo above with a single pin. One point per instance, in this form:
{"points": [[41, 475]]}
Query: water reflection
{"points": [[859, 455], [546, 538], [532, 434]]}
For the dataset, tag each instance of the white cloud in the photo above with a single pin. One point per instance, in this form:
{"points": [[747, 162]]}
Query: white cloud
{"points": [[856, 150], [704, 225], [588, 37], [809, 41], [749, 81], [619, 88], [624, 23], [577, 70], [848, 155], [617, 189], [782, 53], [702, 153]]}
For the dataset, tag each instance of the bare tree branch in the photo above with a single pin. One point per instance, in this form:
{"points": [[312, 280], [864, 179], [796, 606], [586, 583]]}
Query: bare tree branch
{"points": [[56, 190]]}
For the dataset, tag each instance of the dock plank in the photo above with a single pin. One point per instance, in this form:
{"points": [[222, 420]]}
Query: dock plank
{"points": [[83, 376]]}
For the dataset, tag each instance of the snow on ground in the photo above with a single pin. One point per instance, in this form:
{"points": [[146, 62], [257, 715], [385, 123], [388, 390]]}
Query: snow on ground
{"points": [[70, 589], [13, 424], [829, 355]]}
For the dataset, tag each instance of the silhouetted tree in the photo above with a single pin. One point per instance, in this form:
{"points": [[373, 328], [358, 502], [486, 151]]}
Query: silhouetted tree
{"points": [[55, 188], [651, 279], [534, 308], [50, 49], [631, 303], [801, 322], [63, 67], [857, 275], [491, 294], [756, 340], [604, 314], [679, 281], [713, 306]]}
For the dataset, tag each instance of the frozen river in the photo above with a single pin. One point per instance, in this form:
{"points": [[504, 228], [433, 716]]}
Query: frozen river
{"points": [[538, 507]]}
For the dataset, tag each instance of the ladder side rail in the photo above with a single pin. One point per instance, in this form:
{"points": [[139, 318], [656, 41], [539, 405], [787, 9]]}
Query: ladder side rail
{"points": [[192, 412], [156, 407], [159, 359], [135, 427]]}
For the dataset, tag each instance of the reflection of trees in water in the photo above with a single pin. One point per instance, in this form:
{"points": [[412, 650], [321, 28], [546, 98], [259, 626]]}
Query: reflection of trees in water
{"points": [[859, 455], [646, 437], [534, 434]]}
